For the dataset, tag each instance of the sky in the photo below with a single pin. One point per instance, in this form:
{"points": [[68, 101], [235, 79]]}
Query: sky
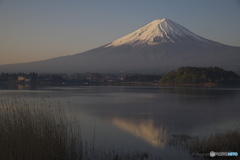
{"points": [[32, 30]]}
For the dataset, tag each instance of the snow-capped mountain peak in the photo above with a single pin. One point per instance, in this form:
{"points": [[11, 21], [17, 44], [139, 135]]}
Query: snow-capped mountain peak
{"points": [[159, 47], [158, 31]]}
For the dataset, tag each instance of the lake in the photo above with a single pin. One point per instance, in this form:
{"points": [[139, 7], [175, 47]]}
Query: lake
{"points": [[144, 118]]}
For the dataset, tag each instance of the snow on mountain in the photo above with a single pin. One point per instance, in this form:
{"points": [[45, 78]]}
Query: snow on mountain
{"points": [[158, 31]]}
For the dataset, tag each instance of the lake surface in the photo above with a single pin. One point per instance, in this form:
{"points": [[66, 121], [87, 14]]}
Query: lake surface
{"points": [[143, 118]]}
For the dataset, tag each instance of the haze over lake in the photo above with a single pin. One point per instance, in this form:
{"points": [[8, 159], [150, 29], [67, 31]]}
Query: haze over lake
{"points": [[144, 118]]}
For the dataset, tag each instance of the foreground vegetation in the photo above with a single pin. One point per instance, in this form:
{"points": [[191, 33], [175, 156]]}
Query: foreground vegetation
{"points": [[37, 132], [196, 75], [199, 147]]}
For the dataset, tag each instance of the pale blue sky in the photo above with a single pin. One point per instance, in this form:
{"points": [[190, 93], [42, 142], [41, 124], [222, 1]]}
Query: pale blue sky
{"points": [[33, 30]]}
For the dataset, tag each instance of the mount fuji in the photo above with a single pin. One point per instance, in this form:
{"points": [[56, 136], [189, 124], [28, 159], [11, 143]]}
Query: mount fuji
{"points": [[158, 47]]}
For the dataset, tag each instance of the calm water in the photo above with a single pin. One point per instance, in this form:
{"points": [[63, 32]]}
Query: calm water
{"points": [[130, 118]]}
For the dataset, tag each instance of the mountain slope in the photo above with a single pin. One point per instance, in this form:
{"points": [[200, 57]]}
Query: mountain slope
{"points": [[158, 47]]}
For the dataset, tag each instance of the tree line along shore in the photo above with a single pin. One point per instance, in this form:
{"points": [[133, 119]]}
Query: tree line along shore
{"points": [[182, 76]]}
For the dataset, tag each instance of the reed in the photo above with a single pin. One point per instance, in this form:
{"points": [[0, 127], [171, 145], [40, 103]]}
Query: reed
{"points": [[224, 142], [37, 131], [227, 142]]}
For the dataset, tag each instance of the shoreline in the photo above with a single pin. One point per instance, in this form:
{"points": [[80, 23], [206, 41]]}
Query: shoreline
{"points": [[197, 84], [4, 85]]}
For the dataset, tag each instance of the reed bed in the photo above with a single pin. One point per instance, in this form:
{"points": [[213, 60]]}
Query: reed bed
{"points": [[198, 146], [227, 142], [30, 131]]}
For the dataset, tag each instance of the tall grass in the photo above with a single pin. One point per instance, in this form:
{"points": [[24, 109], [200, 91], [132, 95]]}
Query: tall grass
{"points": [[37, 132], [227, 142]]}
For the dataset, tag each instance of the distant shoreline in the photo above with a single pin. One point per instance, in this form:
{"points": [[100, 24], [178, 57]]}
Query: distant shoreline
{"points": [[197, 84], [34, 85]]}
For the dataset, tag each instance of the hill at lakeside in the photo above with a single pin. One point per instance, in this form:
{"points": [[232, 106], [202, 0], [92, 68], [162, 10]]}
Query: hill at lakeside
{"points": [[200, 75]]}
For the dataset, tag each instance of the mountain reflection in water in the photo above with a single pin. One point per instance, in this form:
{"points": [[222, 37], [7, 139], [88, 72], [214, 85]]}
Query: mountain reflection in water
{"points": [[145, 130]]}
